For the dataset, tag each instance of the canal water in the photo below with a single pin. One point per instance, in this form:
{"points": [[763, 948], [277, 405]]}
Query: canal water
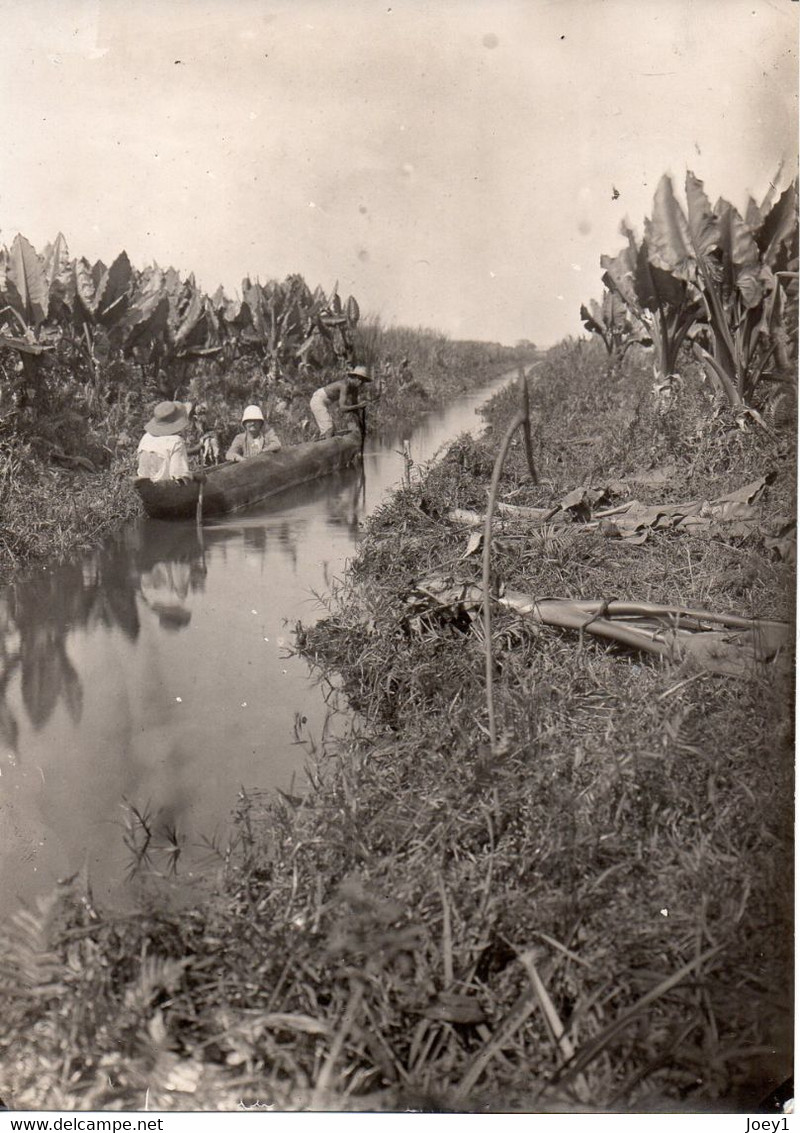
{"points": [[153, 676]]}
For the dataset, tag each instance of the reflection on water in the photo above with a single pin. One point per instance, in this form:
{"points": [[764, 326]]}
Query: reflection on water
{"points": [[156, 670]]}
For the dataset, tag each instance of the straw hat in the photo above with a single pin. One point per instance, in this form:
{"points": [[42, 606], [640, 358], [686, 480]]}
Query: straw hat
{"points": [[252, 413], [168, 417], [359, 372]]}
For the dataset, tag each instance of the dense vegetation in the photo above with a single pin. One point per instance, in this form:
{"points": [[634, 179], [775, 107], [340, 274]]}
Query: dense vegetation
{"points": [[575, 919], [86, 351], [708, 277]]}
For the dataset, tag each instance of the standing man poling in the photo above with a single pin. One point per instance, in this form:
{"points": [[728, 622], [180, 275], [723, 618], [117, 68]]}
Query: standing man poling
{"points": [[346, 393]]}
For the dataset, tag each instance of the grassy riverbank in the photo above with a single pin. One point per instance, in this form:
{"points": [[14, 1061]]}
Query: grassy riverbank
{"points": [[595, 914]]}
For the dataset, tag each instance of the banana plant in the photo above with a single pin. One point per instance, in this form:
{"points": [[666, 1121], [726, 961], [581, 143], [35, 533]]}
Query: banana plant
{"points": [[665, 305], [156, 318], [611, 322], [23, 308], [740, 272]]}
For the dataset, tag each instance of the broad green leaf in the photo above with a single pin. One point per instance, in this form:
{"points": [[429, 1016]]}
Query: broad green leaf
{"points": [[735, 236], [151, 320], [26, 283], [753, 215], [113, 290], [147, 310], [84, 285], [778, 233], [703, 222], [212, 323], [191, 315], [620, 275], [591, 322], [253, 299], [57, 262], [769, 196], [667, 234], [98, 271], [615, 312], [655, 287], [748, 282], [60, 279], [173, 289]]}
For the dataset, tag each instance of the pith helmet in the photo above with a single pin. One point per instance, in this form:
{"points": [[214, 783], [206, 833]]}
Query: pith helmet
{"points": [[252, 413], [359, 372]]}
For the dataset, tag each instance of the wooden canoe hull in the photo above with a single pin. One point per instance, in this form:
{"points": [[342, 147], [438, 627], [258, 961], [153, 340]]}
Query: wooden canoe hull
{"points": [[231, 487]]}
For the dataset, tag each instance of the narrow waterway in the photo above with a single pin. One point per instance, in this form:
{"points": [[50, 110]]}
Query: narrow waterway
{"points": [[154, 673]]}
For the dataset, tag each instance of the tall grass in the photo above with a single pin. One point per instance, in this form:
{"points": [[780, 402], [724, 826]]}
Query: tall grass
{"points": [[574, 920]]}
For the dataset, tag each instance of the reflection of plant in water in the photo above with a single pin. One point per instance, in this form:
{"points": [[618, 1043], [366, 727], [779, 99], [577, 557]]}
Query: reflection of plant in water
{"points": [[38, 613], [143, 839], [9, 663], [37, 616]]}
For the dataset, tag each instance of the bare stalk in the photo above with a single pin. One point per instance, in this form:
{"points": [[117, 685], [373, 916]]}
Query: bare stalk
{"points": [[497, 472]]}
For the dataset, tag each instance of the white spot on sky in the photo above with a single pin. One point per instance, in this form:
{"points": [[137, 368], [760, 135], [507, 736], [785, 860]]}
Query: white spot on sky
{"points": [[178, 700], [576, 267]]}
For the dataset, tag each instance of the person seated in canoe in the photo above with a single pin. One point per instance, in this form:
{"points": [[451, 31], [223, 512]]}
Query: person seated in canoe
{"points": [[346, 392], [162, 450], [257, 437]]}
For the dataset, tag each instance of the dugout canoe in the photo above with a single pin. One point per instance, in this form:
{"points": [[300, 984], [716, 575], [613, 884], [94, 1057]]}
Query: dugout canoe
{"points": [[231, 487]]}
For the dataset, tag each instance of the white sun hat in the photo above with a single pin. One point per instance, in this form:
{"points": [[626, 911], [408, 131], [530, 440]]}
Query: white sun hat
{"points": [[252, 413]]}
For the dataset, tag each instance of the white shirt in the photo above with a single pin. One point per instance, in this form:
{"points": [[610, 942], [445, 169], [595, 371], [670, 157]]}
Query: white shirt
{"points": [[162, 458]]}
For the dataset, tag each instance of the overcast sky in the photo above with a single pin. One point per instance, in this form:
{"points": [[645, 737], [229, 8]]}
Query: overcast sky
{"points": [[450, 162]]}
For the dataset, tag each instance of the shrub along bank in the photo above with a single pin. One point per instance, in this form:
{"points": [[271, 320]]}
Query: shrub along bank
{"points": [[595, 912]]}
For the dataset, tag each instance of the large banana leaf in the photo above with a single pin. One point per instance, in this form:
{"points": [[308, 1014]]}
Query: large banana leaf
{"points": [[85, 286], [99, 269], [592, 319], [668, 236], [60, 277], [191, 313], [26, 283], [147, 324], [253, 297], [777, 237], [113, 290]]}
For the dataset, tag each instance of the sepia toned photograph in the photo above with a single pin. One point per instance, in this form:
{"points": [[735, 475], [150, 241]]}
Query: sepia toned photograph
{"points": [[398, 466]]}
